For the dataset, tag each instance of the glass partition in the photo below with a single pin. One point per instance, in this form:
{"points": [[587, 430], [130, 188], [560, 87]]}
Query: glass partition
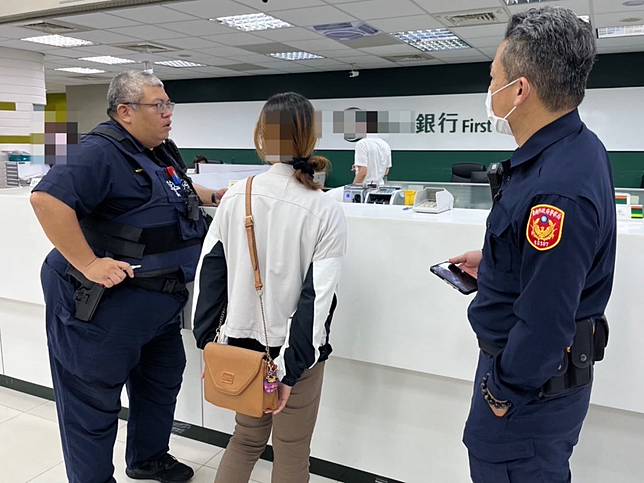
{"points": [[479, 196]]}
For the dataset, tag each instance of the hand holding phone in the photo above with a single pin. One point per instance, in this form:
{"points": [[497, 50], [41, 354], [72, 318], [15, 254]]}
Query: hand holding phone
{"points": [[454, 276]]}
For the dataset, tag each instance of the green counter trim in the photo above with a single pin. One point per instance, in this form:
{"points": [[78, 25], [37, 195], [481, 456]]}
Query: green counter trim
{"points": [[7, 106], [628, 167]]}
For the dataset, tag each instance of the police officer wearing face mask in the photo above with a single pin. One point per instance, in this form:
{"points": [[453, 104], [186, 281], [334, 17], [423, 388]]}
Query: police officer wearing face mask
{"points": [[120, 201], [546, 270]]}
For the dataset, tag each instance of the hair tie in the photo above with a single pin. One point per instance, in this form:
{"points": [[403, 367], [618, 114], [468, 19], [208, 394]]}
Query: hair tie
{"points": [[302, 164]]}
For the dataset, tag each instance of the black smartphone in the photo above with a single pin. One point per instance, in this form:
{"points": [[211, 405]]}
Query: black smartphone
{"points": [[457, 278]]}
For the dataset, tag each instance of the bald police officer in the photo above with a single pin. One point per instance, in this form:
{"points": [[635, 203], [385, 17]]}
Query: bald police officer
{"points": [[546, 270]]}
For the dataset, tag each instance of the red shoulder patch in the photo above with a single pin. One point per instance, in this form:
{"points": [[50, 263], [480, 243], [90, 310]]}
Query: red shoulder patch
{"points": [[545, 227]]}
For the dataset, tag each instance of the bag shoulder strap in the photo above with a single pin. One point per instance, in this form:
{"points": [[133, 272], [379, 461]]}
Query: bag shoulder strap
{"points": [[250, 236]]}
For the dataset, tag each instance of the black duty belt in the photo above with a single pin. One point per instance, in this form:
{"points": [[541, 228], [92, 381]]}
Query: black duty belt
{"points": [[158, 284], [576, 370]]}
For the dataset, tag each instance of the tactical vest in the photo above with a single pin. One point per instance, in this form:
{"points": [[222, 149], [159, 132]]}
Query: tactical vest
{"points": [[164, 235]]}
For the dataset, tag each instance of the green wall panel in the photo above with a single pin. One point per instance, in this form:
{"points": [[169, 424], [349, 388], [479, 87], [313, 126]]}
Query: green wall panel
{"points": [[628, 167]]}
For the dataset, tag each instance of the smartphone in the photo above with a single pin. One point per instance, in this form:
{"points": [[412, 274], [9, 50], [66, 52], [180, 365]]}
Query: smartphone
{"points": [[454, 276]]}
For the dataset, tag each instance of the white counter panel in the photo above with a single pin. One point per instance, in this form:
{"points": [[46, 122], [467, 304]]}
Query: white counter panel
{"points": [[396, 392]]}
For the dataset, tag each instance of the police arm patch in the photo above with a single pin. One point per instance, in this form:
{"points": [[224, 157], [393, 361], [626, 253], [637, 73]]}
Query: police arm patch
{"points": [[545, 227]]}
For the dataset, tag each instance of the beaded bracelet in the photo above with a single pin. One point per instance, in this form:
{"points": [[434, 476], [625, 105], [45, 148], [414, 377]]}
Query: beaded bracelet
{"points": [[491, 400]]}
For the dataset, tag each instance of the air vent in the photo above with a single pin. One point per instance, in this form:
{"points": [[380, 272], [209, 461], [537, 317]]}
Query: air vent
{"points": [[408, 58], [473, 17], [147, 48], [51, 27], [346, 30]]}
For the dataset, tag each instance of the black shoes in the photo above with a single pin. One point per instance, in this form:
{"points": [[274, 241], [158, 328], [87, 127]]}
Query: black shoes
{"points": [[166, 470]]}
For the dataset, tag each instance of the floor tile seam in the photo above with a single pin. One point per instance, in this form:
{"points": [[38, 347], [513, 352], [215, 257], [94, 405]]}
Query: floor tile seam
{"points": [[46, 471]]}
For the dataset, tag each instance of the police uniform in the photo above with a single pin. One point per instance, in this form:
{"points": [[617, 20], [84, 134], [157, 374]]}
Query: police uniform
{"points": [[134, 205], [543, 284]]}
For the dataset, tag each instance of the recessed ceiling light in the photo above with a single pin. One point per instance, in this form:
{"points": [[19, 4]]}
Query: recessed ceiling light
{"points": [[252, 22], [432, 40], [179, 64], [108, 59], [81, 70], [633, 3], [58, 41], [509, 3], [620, 31], [298, 55]]}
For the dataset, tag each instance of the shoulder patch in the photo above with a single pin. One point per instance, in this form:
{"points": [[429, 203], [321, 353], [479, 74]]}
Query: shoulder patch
{"points": [[545, 227]]}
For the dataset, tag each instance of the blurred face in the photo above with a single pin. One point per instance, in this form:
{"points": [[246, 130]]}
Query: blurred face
{"points": [[150, 119], [277, 139]]}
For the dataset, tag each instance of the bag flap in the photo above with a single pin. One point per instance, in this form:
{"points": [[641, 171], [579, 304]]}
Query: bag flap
{"points": [[231, 369]]}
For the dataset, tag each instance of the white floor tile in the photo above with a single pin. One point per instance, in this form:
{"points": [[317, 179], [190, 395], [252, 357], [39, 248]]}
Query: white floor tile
{"points": [[46, 411], [55, 475], [191, 450], [18, 400], [29, 446], [8, 413], [261, 473]]}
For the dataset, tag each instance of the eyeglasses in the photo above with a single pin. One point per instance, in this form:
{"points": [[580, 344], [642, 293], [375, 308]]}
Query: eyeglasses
{"points": [[160, 107]]}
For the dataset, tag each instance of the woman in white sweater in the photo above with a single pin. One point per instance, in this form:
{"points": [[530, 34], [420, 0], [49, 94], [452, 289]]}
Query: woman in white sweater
{"points": [[301, 240]]}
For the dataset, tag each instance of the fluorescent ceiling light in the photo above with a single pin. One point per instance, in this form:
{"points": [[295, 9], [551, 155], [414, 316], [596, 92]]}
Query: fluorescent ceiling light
{"points": [[509, 3], [58, 41], [179, 64], [107, 59], [252, 22], [621, 31], [432, 40], [81, 70], [298, 55]]}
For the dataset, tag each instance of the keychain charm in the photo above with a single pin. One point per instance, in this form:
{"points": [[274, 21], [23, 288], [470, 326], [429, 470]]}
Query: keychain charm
{"points": [[271, 382]]}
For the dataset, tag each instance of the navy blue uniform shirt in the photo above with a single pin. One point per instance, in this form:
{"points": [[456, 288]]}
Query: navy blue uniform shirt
{"points": [[548, 256], [97, 179]]}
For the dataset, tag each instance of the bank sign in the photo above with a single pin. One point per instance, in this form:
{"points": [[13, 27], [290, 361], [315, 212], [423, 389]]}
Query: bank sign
{"points": [[415, 123], [449, 123]]}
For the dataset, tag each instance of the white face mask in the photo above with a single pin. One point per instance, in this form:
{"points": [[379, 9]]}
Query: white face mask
{"points": [[500, 124]]}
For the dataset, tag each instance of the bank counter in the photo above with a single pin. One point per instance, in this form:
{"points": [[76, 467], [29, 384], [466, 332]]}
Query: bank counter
{"points": [[398, 385]]}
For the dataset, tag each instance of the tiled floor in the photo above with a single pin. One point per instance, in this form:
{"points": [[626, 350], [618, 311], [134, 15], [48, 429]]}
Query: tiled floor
{"points": [[30, 448]]}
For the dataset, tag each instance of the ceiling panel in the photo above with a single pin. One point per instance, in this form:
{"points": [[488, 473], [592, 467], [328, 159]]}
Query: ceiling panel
{"points": [[285, 34], [438, 6], [315, 16], [378, 9], [237, 38], [190, 43], [153, 14], [148, 32], [580, 7], [198, 27], [606, 6], [399, 24], [391, 50], [315, 45], [212, 8], [635, 17], [14, 32], [104, 37], [272, 5], [99, 20]]}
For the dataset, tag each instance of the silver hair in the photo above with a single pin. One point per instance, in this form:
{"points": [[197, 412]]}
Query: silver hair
{"points": [[555, 50], [128, 87]]}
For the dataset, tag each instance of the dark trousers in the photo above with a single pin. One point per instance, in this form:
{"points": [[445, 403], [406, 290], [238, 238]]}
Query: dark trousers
{"points": [[531, 444], [133, 340]]}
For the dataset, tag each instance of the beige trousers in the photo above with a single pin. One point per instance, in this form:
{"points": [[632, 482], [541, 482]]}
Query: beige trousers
{"points": [[292, 433]]}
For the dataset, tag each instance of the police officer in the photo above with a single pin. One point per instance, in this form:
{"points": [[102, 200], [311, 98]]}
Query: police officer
{"points": [[120, 201], [546, 270]]}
